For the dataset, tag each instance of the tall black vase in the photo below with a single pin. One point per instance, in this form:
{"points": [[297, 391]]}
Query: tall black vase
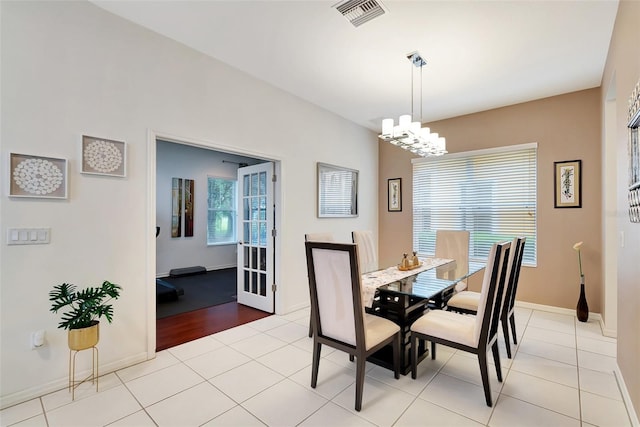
{"points": [[582, 310]]}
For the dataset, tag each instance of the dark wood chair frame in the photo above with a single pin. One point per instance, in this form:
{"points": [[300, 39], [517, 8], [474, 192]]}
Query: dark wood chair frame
{"points": [[507, 312], [488, 331], [358, 350]]}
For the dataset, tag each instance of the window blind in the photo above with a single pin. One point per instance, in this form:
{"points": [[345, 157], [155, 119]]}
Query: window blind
{"points": [[221, 211], [490, 193]]}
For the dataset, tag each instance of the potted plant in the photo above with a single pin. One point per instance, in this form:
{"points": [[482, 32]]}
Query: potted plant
{"points": [[83, 309]]}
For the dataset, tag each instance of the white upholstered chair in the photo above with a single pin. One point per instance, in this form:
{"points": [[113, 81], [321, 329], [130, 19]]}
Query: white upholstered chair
{"points": [[473, 334], [467, 301], [338, 316], [367, 252], [317, 237], [454, 244]]}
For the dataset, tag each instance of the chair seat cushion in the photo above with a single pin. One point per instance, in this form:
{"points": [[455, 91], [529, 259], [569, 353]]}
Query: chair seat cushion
{"points": [[467, 300], [377, 329], [447, 325]]}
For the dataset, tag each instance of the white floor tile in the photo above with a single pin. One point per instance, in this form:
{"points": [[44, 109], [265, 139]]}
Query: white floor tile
{"points": [[236, 334], [284, 404], [548, 336], [37, 421], [289, 332], [555, 352], [192, 407], [459, 396], [510, 412], [596, 362], [547, 369], [596, 345], [235, 417], [162, 360], [334, 415], [257, 345], [267, 323], [423, 413], [468, 369], [306, 344], [332, 378], [601, 383], [20, 412], [246, 381], [137, 419], [553, 321], [547, 394], [382, 405], [87, 389], [427, 370], [164, 383], [297, 315], [286, 360], [97, 410], [591, 329], [602, 411], [216, 362], [195, 348]]}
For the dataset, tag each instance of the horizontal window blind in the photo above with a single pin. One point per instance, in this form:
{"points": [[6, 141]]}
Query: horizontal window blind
{"points": [[491, 193], [221, 211]]}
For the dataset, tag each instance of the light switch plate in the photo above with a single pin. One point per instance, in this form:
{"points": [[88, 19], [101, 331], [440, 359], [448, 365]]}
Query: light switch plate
{"points": [[28, 236]]}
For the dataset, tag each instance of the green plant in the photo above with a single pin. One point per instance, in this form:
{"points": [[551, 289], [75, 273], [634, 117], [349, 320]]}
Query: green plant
{"points": [[84, 306]]}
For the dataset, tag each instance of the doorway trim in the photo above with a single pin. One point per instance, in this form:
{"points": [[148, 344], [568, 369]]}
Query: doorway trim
{"points": [[150, 269]]}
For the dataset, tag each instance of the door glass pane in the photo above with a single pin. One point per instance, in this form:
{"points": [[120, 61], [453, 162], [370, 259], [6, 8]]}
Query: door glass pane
{"points": [[246, 257], [263, 234], [263, 183], [263, 208], [254, 233], [263, 259], [246, 237], [254, 278], [245, 185], [263, 284], [254, 184], [254, 258], [246, 281], [254, 208], [245, 207]]}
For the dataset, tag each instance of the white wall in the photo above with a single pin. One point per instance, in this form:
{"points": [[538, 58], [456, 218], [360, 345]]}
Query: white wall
{"points": [[70, 68], [188, 162]]}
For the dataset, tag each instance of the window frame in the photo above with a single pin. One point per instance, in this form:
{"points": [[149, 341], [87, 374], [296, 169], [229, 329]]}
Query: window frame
{"points": [[234, 211]]}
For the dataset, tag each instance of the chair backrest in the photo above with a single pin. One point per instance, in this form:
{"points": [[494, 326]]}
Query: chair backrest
{"points": [[319, 237], [367, 253], [515, 263], [336, 300], [492, 289], [454, 244]]}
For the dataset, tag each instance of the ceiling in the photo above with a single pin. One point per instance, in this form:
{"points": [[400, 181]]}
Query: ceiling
{"points": [[480, 54]]}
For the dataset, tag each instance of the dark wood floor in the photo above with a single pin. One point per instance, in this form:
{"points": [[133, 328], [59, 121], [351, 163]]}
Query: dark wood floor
{"points": [[185, 327]]}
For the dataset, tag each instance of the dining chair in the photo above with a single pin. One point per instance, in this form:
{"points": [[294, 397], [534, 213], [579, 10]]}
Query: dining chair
{"points": [[454, 244], [317, 237], [473, 334], [367, 253], [339, 318], [467, 301]]}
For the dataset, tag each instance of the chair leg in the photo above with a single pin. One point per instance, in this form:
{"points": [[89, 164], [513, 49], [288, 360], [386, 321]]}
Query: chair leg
{"points": [[310, 329], [396, 356], [484, 373], [433, 350], [316, 363], [496, 360], [351, 358], [360, 365], [505, 330], [414, 356], [512, 320]]}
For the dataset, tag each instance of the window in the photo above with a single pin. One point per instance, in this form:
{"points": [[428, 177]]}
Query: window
{"points": [[491, 193], [337, 191], [221, 214]]}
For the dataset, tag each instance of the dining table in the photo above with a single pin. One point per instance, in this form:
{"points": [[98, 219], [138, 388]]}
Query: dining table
{"points": [[402, 296]]}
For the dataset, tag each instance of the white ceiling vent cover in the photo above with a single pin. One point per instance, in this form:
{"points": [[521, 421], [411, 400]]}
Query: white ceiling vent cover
{"points": [[360, 11]]}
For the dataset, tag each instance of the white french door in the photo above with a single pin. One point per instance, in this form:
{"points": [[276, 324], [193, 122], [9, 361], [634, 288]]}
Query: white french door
{"points": [[255, 236]]}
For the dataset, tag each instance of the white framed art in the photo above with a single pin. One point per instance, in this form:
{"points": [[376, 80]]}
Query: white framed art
{"points": [[37, 176], [101, 156]]}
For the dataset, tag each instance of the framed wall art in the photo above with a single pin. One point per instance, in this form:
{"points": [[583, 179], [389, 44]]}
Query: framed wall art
{"points": [[176, 207], [37, 176], [394, 195], [634, 154], [102, 156], [568, 184]]}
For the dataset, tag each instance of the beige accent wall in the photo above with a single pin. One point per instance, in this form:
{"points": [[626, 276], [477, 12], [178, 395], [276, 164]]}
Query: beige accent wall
{"points": [[566, 127], [621, 73]]}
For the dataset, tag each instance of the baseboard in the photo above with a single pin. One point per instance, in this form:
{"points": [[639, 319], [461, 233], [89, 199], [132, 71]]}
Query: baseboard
{"points": [[633, 416], [63, 383], [559, 310]]}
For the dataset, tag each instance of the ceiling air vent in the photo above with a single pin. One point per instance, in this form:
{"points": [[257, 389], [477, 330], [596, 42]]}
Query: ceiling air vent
{"points": [[360, 11]]}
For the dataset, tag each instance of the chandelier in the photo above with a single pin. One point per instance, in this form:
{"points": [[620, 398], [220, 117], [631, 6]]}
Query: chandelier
{"points": [[409, 134]]}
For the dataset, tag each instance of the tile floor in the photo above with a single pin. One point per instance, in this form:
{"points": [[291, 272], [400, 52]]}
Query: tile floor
{"points": [[259, 373]]}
